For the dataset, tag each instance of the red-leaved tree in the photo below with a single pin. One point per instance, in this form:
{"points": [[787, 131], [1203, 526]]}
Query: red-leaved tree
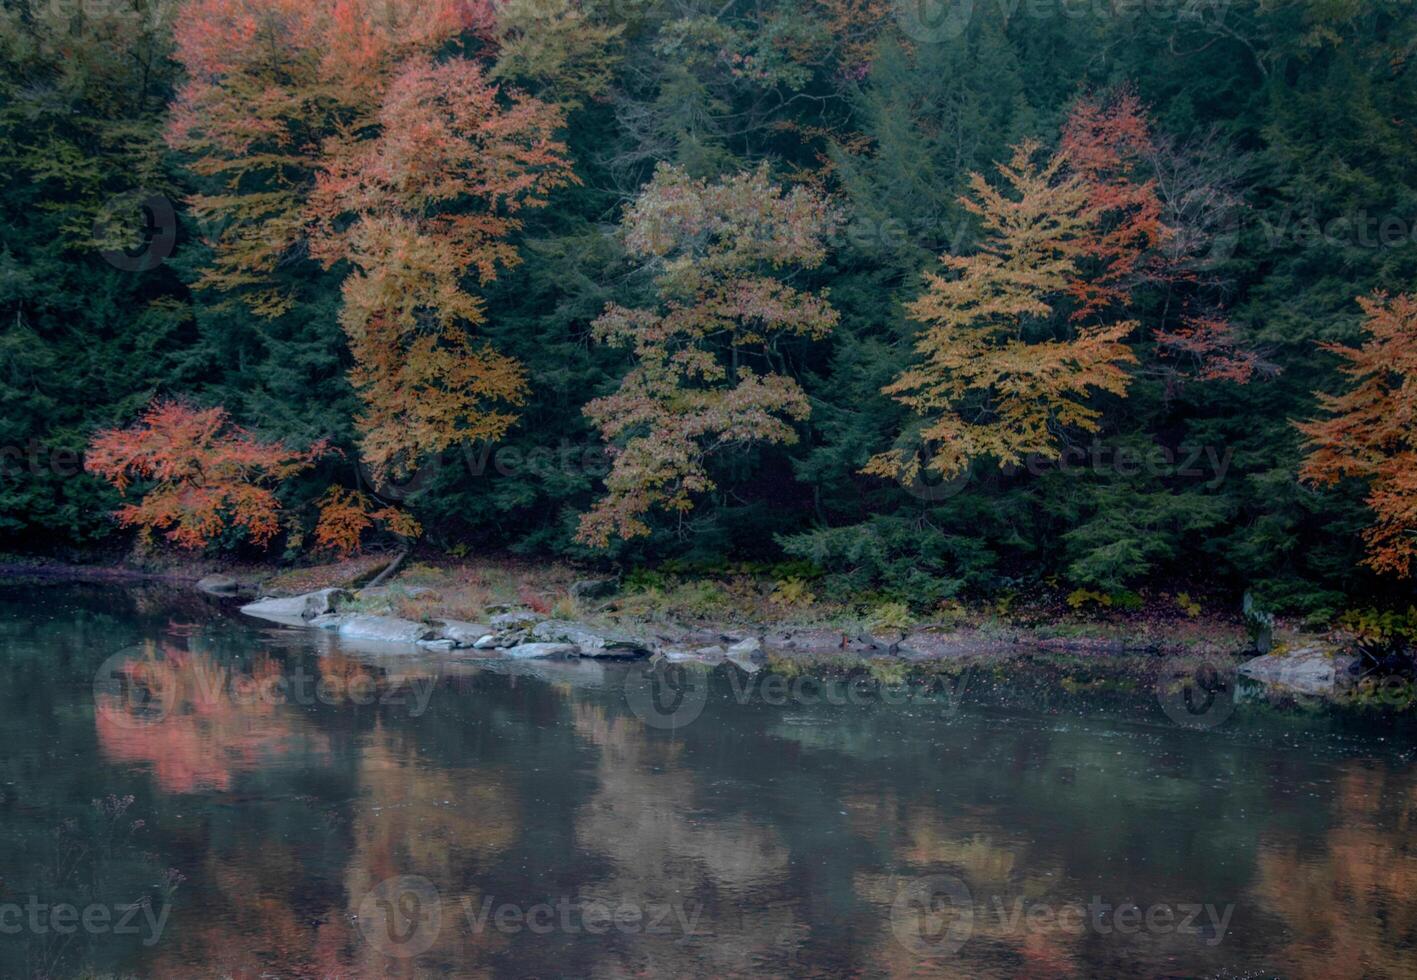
{"points": [[202, 475], [1370, 433]]}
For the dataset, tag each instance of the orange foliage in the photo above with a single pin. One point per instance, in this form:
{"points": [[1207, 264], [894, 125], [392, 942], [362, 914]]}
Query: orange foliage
{"points": [[345, 516], [206, 475], [433, 198], [692, 392], [1371, 431], [981, 385], [334, 126], [1109, 144]]}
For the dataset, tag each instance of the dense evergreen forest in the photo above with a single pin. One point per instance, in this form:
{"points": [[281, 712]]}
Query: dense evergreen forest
{"points": [[942, 298]]}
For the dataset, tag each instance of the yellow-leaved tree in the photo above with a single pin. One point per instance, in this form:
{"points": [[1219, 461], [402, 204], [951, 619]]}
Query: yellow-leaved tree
{"points": [[997, 374]]}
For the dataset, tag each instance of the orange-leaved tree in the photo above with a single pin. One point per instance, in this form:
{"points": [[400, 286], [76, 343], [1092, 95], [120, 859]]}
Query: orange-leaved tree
{"points": [[353, 131], [1371, 429], [203, 475], [427, 202], [1109, 143], [996, 374], [708, 372], [268, 82], [347, 515]]}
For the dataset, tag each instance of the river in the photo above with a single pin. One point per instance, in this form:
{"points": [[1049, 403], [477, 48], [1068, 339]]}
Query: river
{"points": [[186, 793]]}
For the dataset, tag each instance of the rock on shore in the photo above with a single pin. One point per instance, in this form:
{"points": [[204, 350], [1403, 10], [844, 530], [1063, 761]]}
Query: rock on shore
{"points": [[1307, 670], [518, 634]]}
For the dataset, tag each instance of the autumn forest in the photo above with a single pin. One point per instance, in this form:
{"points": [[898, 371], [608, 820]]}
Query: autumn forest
{"points": [[935, 300]]}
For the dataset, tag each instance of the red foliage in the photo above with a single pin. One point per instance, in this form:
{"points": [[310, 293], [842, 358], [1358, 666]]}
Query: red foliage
{"points": [[206, 475], [1210, 342], [1371, 431], [1107, 144]]}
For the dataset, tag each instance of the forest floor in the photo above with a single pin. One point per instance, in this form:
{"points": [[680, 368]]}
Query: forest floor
{"points": [[788, 615]]}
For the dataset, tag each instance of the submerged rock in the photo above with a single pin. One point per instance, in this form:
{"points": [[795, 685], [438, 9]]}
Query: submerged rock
{"points": [[385, 629], [1308, 670], [303, 607], [528, 651], [219, 584], [592, 642]]}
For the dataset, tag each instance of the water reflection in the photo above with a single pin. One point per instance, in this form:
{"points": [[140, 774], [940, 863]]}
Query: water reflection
{"points": [[344, 813]]}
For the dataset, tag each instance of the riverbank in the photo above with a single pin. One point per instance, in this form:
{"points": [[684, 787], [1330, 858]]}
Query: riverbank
{"points": [[512, 609], [681, 612]]}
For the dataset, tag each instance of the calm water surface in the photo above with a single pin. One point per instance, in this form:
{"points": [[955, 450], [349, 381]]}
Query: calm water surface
{"points": [[185, 793]]}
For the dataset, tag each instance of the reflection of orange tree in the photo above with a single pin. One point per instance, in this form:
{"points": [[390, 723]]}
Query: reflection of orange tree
{"points": [[975, 848], [198, 724], [407, 819], [1347, 904]]}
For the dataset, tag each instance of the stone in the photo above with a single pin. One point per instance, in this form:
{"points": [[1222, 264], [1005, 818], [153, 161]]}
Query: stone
{"points": [[1307, 670], [487, 642], [514, 618], [440, 643], [746, 648], [304, 607], [679, 656], [462, 633], [529, 651], [219, 584], [385, 629], [593, 642]]}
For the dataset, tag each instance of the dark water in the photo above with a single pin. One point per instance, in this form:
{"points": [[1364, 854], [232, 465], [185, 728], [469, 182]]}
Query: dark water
{"points": [[231, 800]]}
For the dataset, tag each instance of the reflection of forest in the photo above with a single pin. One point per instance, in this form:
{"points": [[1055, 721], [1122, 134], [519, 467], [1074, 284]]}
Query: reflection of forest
{"points": [[1345, 897], [782, 834]]}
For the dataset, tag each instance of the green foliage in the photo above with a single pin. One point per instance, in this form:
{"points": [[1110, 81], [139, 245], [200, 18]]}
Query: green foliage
{"points": [[1297, 115], [1384, 625]]}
